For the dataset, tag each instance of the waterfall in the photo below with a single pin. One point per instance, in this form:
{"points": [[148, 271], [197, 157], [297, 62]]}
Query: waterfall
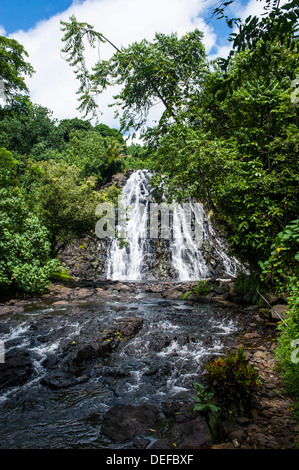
{"points": [[160, 242], [125, 258]]}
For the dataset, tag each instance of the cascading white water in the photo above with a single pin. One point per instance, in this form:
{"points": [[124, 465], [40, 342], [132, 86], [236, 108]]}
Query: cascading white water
{"points": [[125, 257], [188, 257]]}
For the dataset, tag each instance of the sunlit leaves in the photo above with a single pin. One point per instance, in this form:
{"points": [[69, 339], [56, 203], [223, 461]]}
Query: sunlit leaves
{"points": [[168, 69], [65, 202], [25, 261], [13, 67]]}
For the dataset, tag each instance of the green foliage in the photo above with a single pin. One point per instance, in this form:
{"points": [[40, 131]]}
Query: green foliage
{"points": [[245, 167], [25, 252], [282, 267], [288, 343], [204, 404], [202, 288], [137, 157], [13, 67], [94, 155], [203, 399], [65, 202], [167, 70], [106, 131], [234, 380], [185, 296], [66, 126], [34, 131], [8, 166], [74, 49], [279, 22], [247, 285], [49, 173], [110, 194]]}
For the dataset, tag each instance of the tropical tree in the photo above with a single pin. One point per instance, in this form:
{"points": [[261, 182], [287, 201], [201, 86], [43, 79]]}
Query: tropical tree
{"points": [[13, 67], [34, 131], [169, 70], [94, 155], [65, 202]]}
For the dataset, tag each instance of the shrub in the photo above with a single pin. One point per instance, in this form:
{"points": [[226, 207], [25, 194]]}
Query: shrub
{"points": [[281, 269], [234, 381], [25, 261], [202, 288], [203, 403], [288, 340], [110, 194], [26, 264], [246, 286]]}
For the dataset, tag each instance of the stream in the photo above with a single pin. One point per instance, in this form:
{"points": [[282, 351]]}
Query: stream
{"points": [[157, 365]]}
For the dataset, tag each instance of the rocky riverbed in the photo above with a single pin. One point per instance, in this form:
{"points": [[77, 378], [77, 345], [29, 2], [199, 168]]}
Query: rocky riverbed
{"points": [[99, 360]]}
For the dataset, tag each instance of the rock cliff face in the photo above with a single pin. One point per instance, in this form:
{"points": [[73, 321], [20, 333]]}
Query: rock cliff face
{"points": [[86, 258]]}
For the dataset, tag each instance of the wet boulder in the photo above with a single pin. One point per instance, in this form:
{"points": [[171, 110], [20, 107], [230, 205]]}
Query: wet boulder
{"points": [[58, 380], [103, 343], [129, 326], [124, 422], [15, 371]]}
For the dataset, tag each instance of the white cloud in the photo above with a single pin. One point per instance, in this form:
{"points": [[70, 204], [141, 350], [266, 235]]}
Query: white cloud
{"points": [[253, 8], [122, 22], [2, 31]]}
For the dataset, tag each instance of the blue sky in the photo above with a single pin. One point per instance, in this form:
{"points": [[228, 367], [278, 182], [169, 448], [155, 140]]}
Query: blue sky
{"points": [[36, 25], [24, 14]]}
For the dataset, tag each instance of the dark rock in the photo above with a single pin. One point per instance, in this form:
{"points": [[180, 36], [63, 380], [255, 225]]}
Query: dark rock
{"points": [[159, 445], [51, 361], [279, 312], [239, 435], [261, 438], [158, 343], [102, 344], [227, 427], [4, 328], [158, 371], [141, 443], [123, 422], [15, 371], [243, 421], [271, 297], [58, 381], [169, 409], [106, 371], [199, 437], [129, 326]]}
